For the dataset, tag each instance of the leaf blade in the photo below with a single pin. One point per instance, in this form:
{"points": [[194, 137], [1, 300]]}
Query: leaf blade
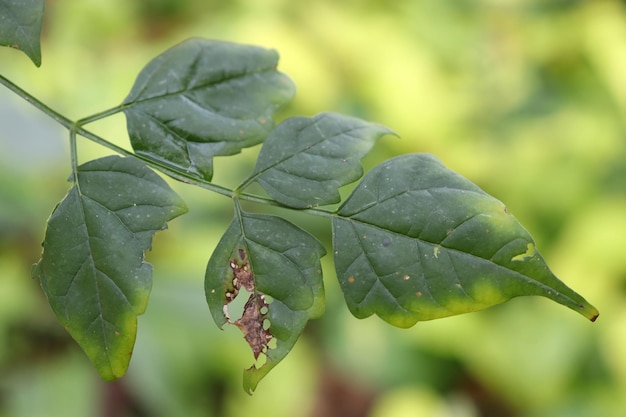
{"points": [[204, 98], [305, 160], [20, 26], [284, 263], [92, 268], [431, 244]]}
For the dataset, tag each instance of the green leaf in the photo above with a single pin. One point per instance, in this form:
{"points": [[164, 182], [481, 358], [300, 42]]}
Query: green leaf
{"points": [[416, 241], [305, 160], [276, 267], [20, 26], [202, 99], [92, 268]]}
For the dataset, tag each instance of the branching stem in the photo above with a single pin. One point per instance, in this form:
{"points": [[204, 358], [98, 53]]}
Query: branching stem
{"points": [[76, 128]]}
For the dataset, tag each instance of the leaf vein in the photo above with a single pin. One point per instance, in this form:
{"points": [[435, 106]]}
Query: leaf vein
{"points": [[497, 265], [206, 85]]}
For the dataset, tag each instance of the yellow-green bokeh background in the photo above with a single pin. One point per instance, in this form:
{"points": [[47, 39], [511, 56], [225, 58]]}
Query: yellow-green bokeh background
{"points": [[525, 98]]}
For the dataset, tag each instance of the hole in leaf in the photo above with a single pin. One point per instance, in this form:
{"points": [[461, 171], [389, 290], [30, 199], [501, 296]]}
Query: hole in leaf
{"points": [[530, 252], [252, 321], [260, 361], [235, 307], [272, 344], [252, 326]]}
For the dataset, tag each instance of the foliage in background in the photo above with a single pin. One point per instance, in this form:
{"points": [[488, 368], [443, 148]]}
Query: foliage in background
{"points": [[530, 174]]}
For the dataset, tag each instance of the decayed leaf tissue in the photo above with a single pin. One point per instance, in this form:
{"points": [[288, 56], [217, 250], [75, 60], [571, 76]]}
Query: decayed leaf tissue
{"points": [[253, 322]]}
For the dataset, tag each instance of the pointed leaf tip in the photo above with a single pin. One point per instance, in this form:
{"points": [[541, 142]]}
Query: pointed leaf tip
{"points": [[20, 26], [92, 268], [416, 241], [589, 311]]}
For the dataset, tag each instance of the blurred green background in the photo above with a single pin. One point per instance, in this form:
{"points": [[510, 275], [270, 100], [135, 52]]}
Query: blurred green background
{"points": [[525, 98]]}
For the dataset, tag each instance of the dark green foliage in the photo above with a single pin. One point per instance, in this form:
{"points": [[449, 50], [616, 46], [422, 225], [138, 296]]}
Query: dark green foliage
{"points": [[414, 241], [92, 268], [203, 99], [20, 26]]}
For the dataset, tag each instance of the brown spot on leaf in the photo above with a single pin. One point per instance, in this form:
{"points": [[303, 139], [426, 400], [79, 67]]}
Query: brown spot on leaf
{"points": [[419, 293], [252, 326], [351, 280], [242, 276], [253, 322]]}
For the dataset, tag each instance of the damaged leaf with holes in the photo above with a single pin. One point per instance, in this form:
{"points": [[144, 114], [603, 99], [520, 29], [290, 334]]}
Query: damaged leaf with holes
{"points": [[416, 241], [92, 268], [253, 322], [276, 267]]}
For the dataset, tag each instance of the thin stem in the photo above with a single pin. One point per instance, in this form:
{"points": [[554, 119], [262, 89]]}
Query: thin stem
{"points": [[64, 121], [190, 179], [246, 183], [269, 202], [74, 154], [100, 115], [167, 170], [320, 212], [75, 128], [101, 141]]}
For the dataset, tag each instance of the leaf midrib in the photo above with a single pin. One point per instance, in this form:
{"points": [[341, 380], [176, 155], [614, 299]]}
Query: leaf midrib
{"points": [[307, 147], [526, 278], [207, 85]]}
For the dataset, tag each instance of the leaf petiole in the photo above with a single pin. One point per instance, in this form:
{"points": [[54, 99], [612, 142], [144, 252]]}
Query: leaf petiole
{"points": [[100, 115], [74, 154], [76, 128]]}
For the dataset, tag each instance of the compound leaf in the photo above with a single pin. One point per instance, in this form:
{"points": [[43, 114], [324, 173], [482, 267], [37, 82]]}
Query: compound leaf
{"points": [[278, 266], [305, 160], [416, 241], [204, 98], [92, 268], [20, 26]]}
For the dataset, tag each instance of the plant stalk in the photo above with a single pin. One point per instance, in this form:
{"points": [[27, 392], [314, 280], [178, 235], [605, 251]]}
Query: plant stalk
{"points": [[59, 118], [75, 128], [100, 115]]}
